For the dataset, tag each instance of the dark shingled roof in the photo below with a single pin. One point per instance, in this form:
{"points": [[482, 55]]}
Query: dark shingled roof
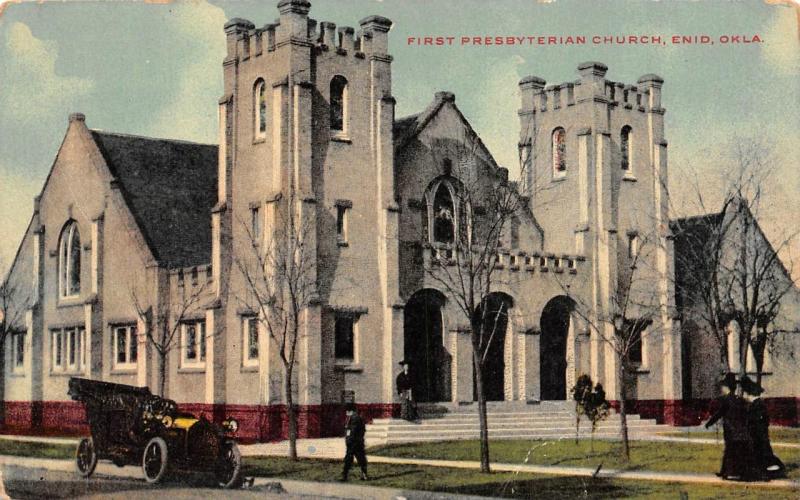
{"points": [[170, 186], [691, 243]]}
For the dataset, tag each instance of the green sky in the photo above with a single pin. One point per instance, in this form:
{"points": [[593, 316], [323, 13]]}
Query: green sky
{"points": [[155, 69]]}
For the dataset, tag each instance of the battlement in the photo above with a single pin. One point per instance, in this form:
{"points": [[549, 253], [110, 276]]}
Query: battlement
{"points": [[592, 86], [245, 41]]}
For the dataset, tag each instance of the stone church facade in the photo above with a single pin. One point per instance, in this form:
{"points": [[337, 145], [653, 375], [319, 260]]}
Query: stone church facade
{"points": [[128, 229]]}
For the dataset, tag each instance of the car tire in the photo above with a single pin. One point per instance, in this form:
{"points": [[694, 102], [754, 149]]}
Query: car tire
{"points": [[229, 470], [155, 460], [85, 457]]}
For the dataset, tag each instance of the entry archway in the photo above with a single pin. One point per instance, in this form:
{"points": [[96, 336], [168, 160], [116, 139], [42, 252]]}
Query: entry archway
{"points": [[555, 323], [424, 348], [495, 325]]}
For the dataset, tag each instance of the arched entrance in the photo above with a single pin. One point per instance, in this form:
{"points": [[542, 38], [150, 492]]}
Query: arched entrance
{"points": [[553, 348], [424, 348], [495, 324]]}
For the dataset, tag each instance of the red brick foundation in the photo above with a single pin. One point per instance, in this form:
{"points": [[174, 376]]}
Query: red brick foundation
{"points": [[270, 423], [782, 411], [256, 423]]}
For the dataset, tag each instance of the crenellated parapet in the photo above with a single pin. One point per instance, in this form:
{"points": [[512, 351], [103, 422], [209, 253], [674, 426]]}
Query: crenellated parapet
{"points": [[245, 41], [538, 97], [510, 260]]}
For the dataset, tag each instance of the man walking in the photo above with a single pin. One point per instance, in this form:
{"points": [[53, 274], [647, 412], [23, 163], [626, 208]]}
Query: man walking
{"points": [[354, 440]]}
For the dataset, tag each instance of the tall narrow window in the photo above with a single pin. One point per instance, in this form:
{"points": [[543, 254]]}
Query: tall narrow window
{"points": [[250, 340], [633, 245], [339, 104], [625, 148], [344, 341], [69, 261], [194, 343], [255, 224], [260, 111], [443, 215], [342, 221], [18, 350], [559, 151], [125, 347]]}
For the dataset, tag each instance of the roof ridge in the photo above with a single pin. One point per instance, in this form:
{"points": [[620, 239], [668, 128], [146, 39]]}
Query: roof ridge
{"points": [[137, 136]]}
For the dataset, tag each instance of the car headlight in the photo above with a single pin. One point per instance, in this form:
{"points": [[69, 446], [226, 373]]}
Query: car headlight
{"points": [[231, 425], [167, 421]]}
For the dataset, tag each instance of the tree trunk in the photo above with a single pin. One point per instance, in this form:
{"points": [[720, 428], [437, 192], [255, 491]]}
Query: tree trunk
{"points": [[577, 424], [291, 413], [162, 373], [3, 383], [481, 412], [623, 419]]}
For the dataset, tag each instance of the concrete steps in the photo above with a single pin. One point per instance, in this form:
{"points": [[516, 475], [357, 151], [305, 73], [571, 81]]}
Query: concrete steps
{"points": [[507, 420]]}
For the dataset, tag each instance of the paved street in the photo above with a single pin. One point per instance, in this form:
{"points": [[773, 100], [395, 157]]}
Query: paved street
{"points": [[35, 478]]}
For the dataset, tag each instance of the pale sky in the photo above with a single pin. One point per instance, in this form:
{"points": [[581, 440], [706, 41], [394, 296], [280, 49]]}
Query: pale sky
{"points": [[155, 70]]}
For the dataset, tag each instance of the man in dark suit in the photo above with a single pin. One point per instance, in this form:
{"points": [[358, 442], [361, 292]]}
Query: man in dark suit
{"points": [[354, 440], [405, 384]]}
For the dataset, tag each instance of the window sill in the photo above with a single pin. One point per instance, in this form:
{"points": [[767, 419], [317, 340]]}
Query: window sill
{"points": [[249, 369], [192, 369], [559, 177], [341, 138], [260, 140], [17, 373], [629, 178], [68, 373], [342, 243], [69, 302], [124, 370], [348, 367]]}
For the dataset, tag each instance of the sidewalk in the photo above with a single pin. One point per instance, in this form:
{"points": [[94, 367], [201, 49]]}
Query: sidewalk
{"points": [[333, 448]]}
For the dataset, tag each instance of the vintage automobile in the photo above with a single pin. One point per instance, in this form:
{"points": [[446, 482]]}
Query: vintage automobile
{"points": [[131, 426]]}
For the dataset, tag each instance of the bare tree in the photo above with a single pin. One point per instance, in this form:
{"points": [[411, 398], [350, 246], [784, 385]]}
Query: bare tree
{"points": [[732, 273], [162, 328], [464, 255], [280, 283], [635, 313], [12, 311]]}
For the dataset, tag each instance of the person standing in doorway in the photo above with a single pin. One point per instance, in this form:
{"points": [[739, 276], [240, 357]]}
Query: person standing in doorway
{"points": [[404, 384], [354, 441]]}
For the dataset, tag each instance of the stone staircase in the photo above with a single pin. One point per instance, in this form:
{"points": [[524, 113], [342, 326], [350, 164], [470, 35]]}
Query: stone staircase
{"points": [[507, 420]]}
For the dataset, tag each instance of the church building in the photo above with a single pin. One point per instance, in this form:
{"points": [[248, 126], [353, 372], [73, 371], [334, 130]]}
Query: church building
{"points": [[133, 266]]}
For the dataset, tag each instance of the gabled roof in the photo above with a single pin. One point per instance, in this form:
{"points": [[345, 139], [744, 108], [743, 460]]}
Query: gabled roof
{"points": [[691, 241], [170, 187]]}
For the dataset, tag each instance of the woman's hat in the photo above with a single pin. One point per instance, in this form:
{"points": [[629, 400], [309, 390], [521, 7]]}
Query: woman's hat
{"points": [[728, 380], [750, 387]]}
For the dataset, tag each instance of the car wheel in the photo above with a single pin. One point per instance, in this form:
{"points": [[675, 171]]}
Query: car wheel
{"points": [[155, 460], [229, 469], [86, 457]]}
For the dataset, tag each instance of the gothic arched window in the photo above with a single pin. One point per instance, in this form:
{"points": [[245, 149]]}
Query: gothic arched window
{"points": [[69, 261], [260, 108], [625, 147], [443, 215], [559, 151], [339, 104]]}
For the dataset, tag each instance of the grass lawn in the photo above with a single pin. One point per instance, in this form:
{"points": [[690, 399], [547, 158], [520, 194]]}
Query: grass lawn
{"points": [[33, 449], [645, 455], [776, 434], [509, 485]]}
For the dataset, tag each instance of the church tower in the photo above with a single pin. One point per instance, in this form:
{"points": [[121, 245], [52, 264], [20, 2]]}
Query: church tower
{"points": [[594, 162], [306, 139]]}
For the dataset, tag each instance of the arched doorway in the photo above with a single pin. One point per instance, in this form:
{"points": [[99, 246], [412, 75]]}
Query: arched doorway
{"points": [[553, 348], [424, 348], [495, 324]]}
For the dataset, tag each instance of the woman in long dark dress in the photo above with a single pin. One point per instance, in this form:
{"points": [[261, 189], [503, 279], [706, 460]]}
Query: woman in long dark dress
{"points": [[737, 455], [768, 465]]}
